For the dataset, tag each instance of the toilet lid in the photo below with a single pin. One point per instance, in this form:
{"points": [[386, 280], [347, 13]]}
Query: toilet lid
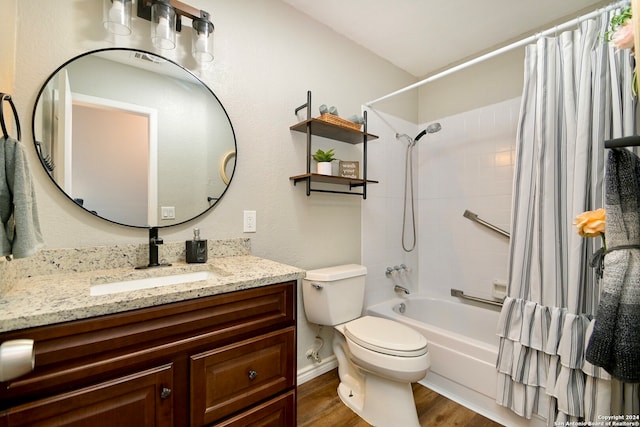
{"points": [[386, 336]]}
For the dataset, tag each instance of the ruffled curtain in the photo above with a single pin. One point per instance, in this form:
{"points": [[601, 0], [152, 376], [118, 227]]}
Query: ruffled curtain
{"points": [[577, 93]]}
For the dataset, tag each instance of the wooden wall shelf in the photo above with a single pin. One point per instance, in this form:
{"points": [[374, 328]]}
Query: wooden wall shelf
{"points": [[332, 131], [331, 179], [317, 127]]}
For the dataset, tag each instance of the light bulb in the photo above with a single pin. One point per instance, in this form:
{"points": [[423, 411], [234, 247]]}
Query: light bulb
{"points": [[202, 41], [201, 51], [116, 11], [117, 16], [163, 24]]}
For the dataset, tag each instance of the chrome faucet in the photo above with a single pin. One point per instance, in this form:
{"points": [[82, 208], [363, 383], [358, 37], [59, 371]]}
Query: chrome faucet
{"points": [[399, 288], [396, 270]]}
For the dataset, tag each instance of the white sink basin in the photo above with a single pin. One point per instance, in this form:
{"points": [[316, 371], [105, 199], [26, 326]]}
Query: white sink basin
{"points": [[150, 282]]}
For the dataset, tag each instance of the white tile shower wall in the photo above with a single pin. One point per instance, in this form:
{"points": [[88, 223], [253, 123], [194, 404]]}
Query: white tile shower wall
{"points": [[382, 211], [468, 165]]}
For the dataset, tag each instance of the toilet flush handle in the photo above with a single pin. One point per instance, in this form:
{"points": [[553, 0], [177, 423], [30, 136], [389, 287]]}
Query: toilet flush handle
{"points": [[317, 286]]}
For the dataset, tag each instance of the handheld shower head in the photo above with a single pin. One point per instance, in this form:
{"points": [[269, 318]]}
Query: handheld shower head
{"points": [[432, 128]]}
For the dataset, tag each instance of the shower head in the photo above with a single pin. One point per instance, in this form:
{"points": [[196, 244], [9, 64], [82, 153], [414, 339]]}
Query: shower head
{"points": [[432, 128]]}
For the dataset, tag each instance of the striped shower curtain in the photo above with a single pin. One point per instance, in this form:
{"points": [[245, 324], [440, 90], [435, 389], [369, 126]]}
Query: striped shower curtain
{"points": [[577, 93]]}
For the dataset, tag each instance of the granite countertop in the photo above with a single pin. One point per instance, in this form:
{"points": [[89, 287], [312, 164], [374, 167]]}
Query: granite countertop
{"points": [[53, 298]]}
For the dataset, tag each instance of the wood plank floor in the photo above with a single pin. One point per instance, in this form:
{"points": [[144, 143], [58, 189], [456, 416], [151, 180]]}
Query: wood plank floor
{"points": [[320, 406]]}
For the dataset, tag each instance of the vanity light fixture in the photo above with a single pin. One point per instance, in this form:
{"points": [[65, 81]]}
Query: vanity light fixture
{"points": [[165, 17]]}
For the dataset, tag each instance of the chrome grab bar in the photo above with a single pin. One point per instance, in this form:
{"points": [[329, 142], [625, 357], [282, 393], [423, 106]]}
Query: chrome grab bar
{"points": [[460, 294], [473, 217]]}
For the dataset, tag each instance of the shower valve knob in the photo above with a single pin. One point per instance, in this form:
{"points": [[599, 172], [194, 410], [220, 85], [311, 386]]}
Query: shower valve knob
{"points": [[391, 272]]}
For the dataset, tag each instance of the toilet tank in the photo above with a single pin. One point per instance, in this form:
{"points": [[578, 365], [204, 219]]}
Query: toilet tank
{"points": [[334, 295]]}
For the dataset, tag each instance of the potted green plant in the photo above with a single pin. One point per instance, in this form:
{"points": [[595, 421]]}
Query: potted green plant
{"points": [[324, 159]]}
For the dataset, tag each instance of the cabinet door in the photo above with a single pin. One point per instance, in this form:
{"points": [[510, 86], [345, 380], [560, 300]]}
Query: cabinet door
{"points": [[232, 378], [140, 399]]}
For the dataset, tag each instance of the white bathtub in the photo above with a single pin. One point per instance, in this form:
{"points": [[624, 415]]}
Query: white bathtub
{"points": [[463, 347]]}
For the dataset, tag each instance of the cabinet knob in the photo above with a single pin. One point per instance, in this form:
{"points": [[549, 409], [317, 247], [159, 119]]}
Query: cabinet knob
{"points": [[252, 375], [165, 393]]}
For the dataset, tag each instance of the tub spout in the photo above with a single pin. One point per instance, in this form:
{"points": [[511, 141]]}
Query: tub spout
{"points": [[399, 288]]}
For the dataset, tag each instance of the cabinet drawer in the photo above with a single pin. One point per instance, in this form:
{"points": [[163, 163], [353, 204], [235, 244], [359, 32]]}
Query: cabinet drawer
{"points": [[231, 378], [277, 412], [141, 399]]}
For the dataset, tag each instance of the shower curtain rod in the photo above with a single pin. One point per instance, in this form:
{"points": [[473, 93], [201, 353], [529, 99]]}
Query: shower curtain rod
{"points": [[499, 51]]}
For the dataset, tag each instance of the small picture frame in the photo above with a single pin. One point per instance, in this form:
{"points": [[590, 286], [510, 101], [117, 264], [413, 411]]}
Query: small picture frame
{"points": [[349, 169]]}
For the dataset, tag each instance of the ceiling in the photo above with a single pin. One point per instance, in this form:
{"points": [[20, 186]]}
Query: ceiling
{"points": [[425, 36]]}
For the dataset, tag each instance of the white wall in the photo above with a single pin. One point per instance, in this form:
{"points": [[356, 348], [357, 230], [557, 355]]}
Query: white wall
{"points": [[492, 81], [267, 56], [467, 165], [383, 211]]}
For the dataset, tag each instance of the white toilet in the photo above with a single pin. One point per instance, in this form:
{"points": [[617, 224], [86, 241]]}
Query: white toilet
{"points": [[378, 358]]}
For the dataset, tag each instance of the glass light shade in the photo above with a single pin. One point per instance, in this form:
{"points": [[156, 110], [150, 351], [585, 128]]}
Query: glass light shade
{"points": [[202, 41], [116, 16], [163, 24]]}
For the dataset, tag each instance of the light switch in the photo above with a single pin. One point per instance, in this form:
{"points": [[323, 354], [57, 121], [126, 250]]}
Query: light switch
{"points": [[168, 212]]}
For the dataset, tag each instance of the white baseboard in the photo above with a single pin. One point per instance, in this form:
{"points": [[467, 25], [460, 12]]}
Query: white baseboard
{"points": [[310, 372]]}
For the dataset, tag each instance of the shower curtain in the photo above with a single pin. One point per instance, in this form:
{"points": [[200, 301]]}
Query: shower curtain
{"points": [[577, 93]]}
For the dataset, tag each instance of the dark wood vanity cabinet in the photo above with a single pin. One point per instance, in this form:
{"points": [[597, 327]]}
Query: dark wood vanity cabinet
{"points": [[224, 360]]}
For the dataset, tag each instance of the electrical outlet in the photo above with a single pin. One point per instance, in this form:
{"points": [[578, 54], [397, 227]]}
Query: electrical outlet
{"points": [[250, 222]]}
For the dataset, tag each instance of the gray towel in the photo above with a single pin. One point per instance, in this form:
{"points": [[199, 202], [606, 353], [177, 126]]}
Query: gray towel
{"points": [[615, 342], [20, 232]]}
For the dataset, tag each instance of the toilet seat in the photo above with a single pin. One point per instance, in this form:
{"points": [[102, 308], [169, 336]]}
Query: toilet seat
{"points": [[386, 336]]}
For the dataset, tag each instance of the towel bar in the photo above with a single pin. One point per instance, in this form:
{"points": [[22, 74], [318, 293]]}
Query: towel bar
{"points": [[460, 294]]}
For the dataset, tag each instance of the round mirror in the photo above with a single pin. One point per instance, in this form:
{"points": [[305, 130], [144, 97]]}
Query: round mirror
{"points": [[134, 138]]}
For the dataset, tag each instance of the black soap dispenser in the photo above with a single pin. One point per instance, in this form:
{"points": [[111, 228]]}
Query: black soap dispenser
{"points": [[196, 248]]}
